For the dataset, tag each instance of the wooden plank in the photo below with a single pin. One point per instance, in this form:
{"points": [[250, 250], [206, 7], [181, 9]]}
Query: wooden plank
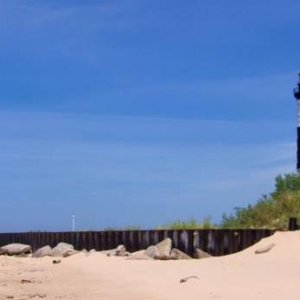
{"points": [[140, 239], [72, 238], [217, 242], [135, 236], [151, 237], [160, 234], [196, 240], [181, 241], [110, 244], [173, 236], [102, 240], [210, 242], [43, 241], [156, 237], [225, 249], [221, 242], [57, 238], [91, 244], [190, 242], [248, 238], [118, 238], [201, 242], [145, 239], [125, 239]]}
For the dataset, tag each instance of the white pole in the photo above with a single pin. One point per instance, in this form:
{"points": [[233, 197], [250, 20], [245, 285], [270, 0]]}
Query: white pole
{"points": [[73, 222]]}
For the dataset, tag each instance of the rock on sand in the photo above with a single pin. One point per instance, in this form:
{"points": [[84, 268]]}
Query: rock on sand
{"points": [[15, 249], [41, 252], [63, 250]]}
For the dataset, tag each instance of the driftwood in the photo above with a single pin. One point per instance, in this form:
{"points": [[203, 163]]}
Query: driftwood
{"points": [[185, 279], [56, 261], [264, 249]]}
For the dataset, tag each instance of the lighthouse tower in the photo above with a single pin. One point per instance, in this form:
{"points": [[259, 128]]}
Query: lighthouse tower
{"points": [[297, 96]]}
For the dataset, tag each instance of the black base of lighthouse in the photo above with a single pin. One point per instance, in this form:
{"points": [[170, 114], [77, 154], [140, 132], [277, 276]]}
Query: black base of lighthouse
{"points": [[298, 149]]}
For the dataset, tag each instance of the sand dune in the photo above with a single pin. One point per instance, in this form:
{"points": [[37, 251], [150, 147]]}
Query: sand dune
{"points": [[245, 275]]}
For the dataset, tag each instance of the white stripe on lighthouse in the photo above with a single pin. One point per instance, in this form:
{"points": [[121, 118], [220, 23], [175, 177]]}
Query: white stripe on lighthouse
{"points": [[298, 113]]}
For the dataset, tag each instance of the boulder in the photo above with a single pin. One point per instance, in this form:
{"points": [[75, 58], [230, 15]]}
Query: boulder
{"points": [[152, 251], [41, 252], [164, 257], [15, 249], [164, 247], [162, 250], [177, 254], [119, 251], [63, 250], [201, 254], [139, 255]]}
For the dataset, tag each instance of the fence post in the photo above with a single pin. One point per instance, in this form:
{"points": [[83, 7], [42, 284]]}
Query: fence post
{"points": [[293, 224]]}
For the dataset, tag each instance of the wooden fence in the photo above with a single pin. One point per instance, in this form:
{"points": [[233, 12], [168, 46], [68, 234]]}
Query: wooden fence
{"points": [[216, 241]]}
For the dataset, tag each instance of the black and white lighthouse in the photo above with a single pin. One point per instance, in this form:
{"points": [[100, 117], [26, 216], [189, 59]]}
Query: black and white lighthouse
{"points": [[297, 96]]}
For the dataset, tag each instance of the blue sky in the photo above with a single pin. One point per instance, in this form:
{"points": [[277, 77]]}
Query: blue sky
{"points": [[143, 112]]}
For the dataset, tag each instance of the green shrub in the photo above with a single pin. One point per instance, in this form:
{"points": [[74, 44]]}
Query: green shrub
{"points": [[271, 211]]}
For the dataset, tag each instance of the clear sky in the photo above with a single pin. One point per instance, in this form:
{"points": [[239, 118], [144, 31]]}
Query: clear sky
{"points": [[142, 112]]}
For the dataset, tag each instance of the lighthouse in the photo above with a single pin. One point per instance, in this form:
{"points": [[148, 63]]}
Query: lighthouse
{"points": [[297, 96]]}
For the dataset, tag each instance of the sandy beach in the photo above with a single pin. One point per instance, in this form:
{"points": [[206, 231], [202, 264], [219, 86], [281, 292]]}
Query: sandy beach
{"points": [[245, 275]]}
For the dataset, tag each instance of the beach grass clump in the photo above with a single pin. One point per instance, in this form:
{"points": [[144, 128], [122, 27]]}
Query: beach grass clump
{"points": [[189, 224]]}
